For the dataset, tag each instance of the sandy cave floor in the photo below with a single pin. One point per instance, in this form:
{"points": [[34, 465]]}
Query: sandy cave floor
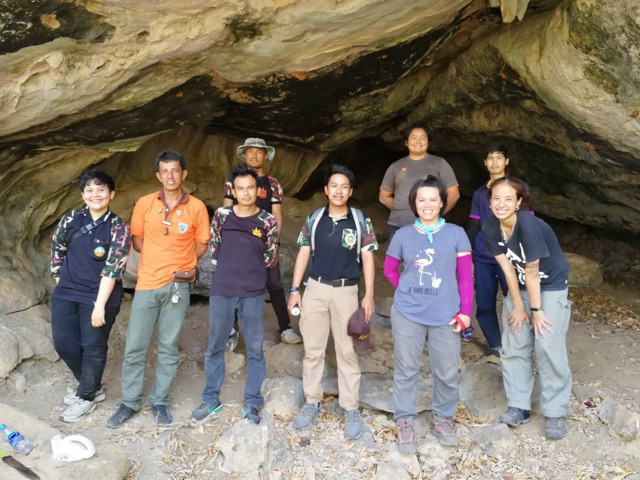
{"points": [[604, 353]]}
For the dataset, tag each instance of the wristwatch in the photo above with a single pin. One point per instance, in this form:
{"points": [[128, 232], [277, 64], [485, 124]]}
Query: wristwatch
{"points": [[294, 289], [539, 309]]}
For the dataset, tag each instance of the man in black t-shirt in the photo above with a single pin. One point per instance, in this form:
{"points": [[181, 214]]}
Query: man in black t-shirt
{"points": [[254, 152], [243, 247]]}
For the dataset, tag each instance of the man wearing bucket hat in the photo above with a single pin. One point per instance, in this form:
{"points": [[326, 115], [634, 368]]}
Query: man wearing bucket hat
{"points": [[254, 152]]}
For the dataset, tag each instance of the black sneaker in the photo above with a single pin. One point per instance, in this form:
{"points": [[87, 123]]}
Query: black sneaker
{"points": [[555, 428], [515, 416], [251, 413], [119, 418], [161, 415], [205, 412]]}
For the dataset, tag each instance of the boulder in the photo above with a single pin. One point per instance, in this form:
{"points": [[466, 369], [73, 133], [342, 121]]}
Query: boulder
{"points": [[409, 463], [248, 447], [495, 440], [25, 334], [376, 392], [584, 393], [623, 423], [19, 290], [391, 471], [283, 395], [285, 359], [482, 389], [584, 271]]}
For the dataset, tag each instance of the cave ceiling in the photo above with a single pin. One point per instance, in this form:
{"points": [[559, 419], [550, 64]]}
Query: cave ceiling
{"points": [[91, 82]]}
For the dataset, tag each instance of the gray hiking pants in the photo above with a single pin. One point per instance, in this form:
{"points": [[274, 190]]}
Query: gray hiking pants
{"points": [[551, 356], [409, 339]]}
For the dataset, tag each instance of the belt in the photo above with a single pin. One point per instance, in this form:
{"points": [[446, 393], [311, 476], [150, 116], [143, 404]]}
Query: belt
{"points": [[338, 282]]}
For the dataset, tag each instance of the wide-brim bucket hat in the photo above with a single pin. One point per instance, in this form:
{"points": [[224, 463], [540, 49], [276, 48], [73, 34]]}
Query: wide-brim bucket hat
{"points": [[255, 142]]}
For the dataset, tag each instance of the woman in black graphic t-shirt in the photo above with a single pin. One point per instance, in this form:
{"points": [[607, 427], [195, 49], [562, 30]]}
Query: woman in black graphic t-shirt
{"points": [[536, 312]]}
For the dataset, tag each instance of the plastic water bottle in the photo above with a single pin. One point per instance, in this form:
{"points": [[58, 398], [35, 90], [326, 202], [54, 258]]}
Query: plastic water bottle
{"points": [[17, 441]]}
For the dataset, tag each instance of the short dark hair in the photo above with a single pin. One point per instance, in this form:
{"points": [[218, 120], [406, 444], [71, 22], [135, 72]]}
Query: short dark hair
{"points": [[241, 170], [339, 169], [170, 156], [407, 132], [430, 181], [96, 177], [497, 147], [521, 188]]}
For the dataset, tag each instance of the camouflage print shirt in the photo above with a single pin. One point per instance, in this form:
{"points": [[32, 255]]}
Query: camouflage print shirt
{"points": [[335, 254], [80, 260]]}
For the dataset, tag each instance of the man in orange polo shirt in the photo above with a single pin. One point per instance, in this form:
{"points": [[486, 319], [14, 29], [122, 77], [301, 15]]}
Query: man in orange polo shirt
{"points": [[170, 229]]}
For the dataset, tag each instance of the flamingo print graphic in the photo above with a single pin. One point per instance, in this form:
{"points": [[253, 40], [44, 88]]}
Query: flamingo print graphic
{"points": [[422, 263]]}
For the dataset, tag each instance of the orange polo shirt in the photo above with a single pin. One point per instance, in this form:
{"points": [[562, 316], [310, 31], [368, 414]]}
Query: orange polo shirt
{"points": [[162, 254]]}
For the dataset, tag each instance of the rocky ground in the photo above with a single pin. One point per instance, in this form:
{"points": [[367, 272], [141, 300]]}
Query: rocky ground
{"points": [[603, 343]]}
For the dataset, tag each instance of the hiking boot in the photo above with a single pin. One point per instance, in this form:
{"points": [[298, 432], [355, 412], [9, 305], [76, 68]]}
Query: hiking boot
{"points": [[353, 424], [232, 341], [78, 410], [555, 428], [307, 415], [442, 428], [119, 418], [161, 415], [515, 416], [205, 412], [251, 413], [290, 337], [406, 435], [70, 398]]}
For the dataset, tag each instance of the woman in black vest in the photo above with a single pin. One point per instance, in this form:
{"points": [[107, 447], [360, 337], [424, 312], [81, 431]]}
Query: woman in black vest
{"points": [[89, 252]]}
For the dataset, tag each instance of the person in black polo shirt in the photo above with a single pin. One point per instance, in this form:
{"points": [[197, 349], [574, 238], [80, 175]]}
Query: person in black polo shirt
{"points": [[331, 296], [254, 152], [89, 252]]}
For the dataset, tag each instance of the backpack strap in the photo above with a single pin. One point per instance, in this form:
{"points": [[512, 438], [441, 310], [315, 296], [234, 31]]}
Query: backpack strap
{"points": [[312, 224], [358, 216], [359, 219]]}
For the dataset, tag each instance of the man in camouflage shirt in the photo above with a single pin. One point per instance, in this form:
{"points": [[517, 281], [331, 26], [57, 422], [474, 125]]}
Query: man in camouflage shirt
{"points": [[244, 244]]}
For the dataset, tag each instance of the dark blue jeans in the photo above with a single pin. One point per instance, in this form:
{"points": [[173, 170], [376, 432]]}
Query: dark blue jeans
{"points": [[488, 276], [80, 345], [221, 317]]}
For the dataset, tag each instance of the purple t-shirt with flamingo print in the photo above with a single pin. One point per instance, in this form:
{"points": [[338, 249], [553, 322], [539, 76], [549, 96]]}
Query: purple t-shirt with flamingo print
{"points": [[428, 290]]}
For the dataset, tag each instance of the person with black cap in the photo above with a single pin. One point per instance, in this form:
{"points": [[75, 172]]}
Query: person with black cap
{"points": [[253, 153], [336, 243]]}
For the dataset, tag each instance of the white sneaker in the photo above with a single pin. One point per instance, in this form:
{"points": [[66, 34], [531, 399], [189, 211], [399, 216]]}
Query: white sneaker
{"points": [[290, 337], [78, 410], [70, 398]]}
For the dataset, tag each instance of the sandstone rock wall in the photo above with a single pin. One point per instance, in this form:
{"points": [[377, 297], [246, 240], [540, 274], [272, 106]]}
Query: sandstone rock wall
{"points": [[110, 83]]}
